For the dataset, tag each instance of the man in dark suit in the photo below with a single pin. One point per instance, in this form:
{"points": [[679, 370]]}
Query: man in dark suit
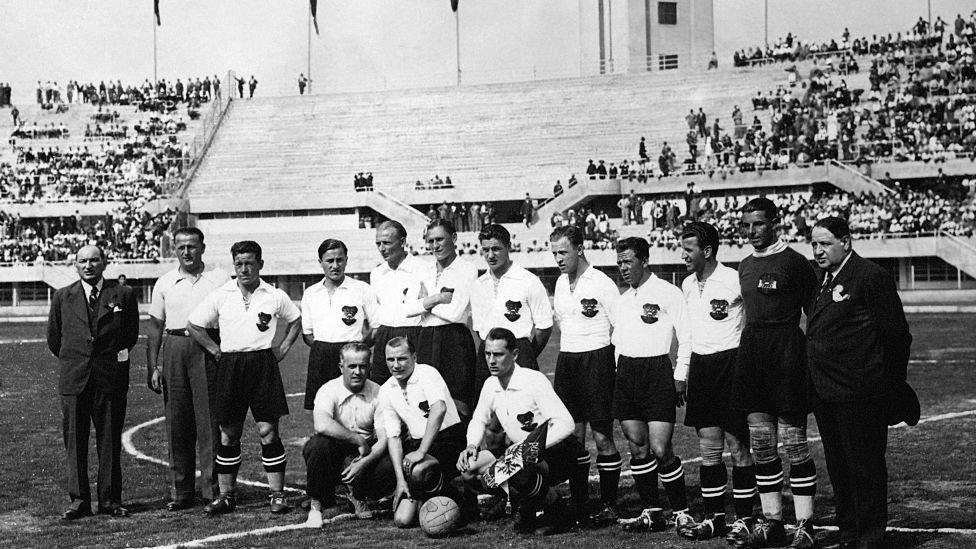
{"points": [[858, 347], [92, 325]]}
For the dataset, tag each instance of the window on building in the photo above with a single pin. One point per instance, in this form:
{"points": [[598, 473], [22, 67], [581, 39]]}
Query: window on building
{"points": [[667, 13], [667, 62]]}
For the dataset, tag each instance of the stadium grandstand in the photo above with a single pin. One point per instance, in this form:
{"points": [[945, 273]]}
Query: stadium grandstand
{"points": [[878, 129]]}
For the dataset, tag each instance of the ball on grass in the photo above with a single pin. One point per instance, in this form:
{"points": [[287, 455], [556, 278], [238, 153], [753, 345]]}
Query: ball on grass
{"points": [[438, 516]]}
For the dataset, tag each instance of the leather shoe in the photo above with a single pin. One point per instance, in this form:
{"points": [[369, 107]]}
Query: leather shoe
{"points": [[179, 504], [75, 512], [116, 511]]}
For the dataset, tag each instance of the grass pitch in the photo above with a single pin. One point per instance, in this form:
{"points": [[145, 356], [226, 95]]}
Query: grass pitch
{"points": [[932, 474]]}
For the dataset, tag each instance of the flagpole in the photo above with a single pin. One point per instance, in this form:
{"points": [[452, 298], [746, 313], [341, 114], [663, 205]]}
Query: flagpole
{"points": [[155, 62], [457, 44], [308, 28]]}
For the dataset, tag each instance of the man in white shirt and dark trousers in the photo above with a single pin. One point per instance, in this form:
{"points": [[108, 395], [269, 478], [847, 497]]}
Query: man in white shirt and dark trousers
{"points": [[423, 457], [585, 367], [715, 314], [180, 369], [246, 311], [508, 296], [395, 282], [349, 444], [334, 312], [522, 399], [646, 318]]}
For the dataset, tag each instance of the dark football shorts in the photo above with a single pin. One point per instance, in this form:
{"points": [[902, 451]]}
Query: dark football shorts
{"points": [[645, 389], [249, 380], [709, 380], [323, 366], [584, 382]]}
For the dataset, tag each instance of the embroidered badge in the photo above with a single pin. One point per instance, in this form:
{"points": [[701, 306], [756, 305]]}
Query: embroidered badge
{"points": [[768, 283], [526, 420], [589, 307], [349, 314], [839, 295], [512, 309], [720, 309], [263, 320], [651, 310], [425, 408]]}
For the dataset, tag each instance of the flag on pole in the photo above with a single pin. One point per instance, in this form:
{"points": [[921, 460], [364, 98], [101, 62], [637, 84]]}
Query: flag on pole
{"points": [[156, 11], [516, 457], [454, 5], [314, 6]]}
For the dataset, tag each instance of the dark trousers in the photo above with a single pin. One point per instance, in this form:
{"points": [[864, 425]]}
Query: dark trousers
{"points": [[326, 457], [188, 379], [107, 412], [447, 446], [855, 437]]}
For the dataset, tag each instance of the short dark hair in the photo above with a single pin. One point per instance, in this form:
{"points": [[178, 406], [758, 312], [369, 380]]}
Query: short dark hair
{"points": [[332, 244], [400, 341], [705, 233], [395, 225], [356, 347], [448, 227], [570, 232], [836, 225], [189, 231], [496, 232], [246, 247], [503, 334], [764, 205], [639, 246]]}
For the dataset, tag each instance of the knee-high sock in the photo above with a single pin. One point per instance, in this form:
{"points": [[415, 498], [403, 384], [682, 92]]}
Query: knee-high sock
{"points": [[673, 477], [273, 456], [714, 479], [645, 480], [743, 490], [769, 480], [579, 485], [609, 468], [803, 483], [227, 463]]}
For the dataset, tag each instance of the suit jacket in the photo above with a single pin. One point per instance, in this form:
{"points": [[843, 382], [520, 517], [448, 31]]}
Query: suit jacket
{"points": [[89, 354], [858, 341]]}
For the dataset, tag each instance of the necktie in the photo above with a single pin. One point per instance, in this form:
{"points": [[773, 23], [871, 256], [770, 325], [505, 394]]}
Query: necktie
{"points": [[93, 298], [827, 282]]}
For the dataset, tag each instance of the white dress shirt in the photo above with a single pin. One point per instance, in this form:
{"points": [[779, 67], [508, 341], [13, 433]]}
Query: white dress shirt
{"points": [[395, 289], [411, 405], [461, 276], [517, 301], [527, 402], [241, 325], [177, 292], [646, 320], [593, 295], [715, 313], [338, 317], [358, 412]]}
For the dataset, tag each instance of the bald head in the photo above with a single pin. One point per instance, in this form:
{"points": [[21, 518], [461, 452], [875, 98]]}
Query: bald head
{"points": [[90, 263]]}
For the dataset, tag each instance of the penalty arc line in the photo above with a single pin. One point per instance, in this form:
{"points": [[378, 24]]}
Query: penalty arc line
{"points": [[132, 450]]}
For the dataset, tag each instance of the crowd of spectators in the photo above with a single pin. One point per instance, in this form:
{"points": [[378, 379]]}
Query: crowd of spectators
{"points": [[159, 96], [362, 182], [466, 216], [434, 183], [127, 233]]}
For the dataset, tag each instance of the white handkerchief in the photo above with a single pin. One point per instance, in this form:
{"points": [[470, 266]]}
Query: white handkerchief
{"points": [[123, 355]]}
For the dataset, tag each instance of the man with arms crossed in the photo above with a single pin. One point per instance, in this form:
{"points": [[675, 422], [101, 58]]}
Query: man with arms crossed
{"points": [[180, 369], [715, 317], [246, 312], [396, 283], [585, 367]]}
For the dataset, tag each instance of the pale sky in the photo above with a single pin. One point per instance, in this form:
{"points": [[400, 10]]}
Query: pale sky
{"points": [[368, 44]]}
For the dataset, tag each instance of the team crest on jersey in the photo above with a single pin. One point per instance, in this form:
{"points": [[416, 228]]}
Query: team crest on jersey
{"points": [[589, 307], [651, 310], [425, 408], [720, 309], [512, 309], [526, 420], [768, 283], [349, 314], [263, 320]]}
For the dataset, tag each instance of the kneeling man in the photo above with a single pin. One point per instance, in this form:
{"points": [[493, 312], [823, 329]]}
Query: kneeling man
{"points": [[523, 399], [349, 444]]}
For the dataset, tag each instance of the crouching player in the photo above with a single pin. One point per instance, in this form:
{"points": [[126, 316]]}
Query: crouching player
{"points": [[417, 396], [349, 444], [715, 315], [523, 399]]}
